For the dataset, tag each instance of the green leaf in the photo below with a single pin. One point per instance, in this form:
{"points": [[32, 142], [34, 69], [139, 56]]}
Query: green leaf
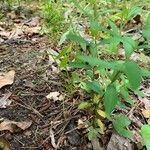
{"points": [[93, 49], [63, 38], [113, 42], [93, 133], [120, 124], [76, 38], [125, 95], [93, 61], [94, 26], [146, 30], [129, 45], [78, 65], [134, 12], [139, 93], [110, 99], [133, 74], [84, 105], [63, 52], [145, 131], [114, 28], [145, 73], [94, 86], [64, 62]]}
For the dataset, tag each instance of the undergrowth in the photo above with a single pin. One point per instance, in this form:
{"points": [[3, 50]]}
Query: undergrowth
{"points": [[108, 80], [54, 22]]}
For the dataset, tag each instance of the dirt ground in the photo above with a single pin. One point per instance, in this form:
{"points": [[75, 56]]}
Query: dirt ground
{"points": [[53, 123]]}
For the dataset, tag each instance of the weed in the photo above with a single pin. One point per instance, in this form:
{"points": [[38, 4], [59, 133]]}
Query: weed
{"points": [[53, 14], [107, 80]]}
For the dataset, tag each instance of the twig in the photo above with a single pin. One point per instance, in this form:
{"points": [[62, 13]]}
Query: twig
{"points": [[30, 108], [53, 139]]}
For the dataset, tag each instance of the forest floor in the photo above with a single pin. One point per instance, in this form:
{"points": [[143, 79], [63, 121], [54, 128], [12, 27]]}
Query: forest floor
{"points": [[28, 118], [24, 51]]}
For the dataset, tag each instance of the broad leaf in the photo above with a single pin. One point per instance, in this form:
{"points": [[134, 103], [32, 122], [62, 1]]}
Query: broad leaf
{"points": [[114, 28], [78, 65], [120, 124], [146, 31], [145, 73], [110, 99], [76, 38], [129, 45], [94, 86], [125, 95], [93, 61], [133, 74], [145, 131], [93, 133]]}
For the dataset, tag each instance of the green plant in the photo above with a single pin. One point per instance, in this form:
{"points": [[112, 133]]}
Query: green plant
{"points": [[145, 131], [53, 14], [108, 81]]}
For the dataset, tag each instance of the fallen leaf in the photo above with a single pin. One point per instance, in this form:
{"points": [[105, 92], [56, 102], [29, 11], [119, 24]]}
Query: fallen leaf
{"points": [[4, 101], [33, 22], [1, 40], [16, 34], [14, 126], [81, 124], [146, 113], [120, 143], [4, 34], [7, 78], [54, 96], [31, 30]]}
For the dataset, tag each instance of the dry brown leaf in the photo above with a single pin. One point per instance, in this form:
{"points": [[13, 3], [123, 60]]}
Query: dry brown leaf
{"points": [[4, 101], [31, 30], [54, 96], [81, 124], [146, 113], [14, 126], [7, 78], [4, 34], [16, 34], [33, 22]]}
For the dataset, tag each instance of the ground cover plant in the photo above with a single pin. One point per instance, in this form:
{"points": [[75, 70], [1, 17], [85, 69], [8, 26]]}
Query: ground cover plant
{"points": [[109, 81], [74, 74]]}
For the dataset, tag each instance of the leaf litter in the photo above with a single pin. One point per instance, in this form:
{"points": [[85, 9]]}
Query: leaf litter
{"points": [[7, 78], [4, 100]]}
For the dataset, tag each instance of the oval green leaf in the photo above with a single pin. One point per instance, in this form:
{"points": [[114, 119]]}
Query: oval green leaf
{"points": [[133, 74], [110, 99]]}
